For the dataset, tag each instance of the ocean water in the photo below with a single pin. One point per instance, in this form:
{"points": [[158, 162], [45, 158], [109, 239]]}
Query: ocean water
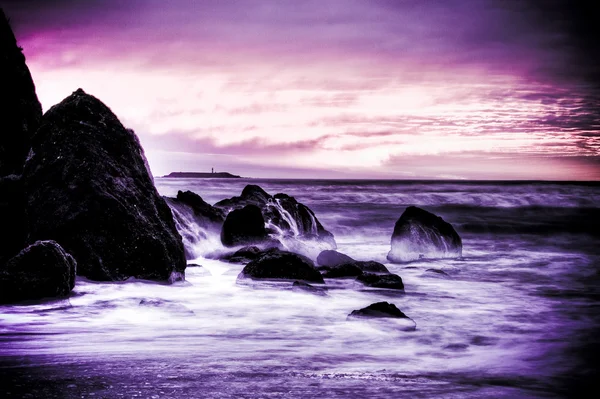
{"points": [[516, 317]]}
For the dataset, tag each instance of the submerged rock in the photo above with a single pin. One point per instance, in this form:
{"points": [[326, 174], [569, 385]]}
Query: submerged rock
{"points": [[244, 226], [331, 258], [302, 286], [244, 255], [290, 222], [379, 309], [88, 186], [421, 234], [277, 264], [390, 281], [41, 270], [20, 110]]}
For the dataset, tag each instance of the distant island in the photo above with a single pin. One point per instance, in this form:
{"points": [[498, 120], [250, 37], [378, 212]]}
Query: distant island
{"points": [[215, 175]]}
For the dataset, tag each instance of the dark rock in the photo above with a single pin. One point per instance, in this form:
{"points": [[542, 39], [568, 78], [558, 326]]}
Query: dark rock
{"points": [[20, 110], [391, 281], [371, 267], [332, 258], [88, 186], [244, 255], [251, 195], [167, 306], [421, 234], [195, 220], [287, 220], [200, 208], [12, 215], [41, 270], [437, 271], [340, 271], [380, 309], [302, 286], [277, 264], [244, 226]]}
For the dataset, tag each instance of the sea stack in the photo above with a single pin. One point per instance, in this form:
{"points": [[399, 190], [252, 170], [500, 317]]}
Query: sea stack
{"points": [[88, 187], [421, 234]]}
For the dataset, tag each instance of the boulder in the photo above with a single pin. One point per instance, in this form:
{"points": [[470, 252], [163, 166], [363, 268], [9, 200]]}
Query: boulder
{"points": [[244, 255], [88, 187], [20, 110], [390, 281], [379, 309], [332, 258], [290, 222], [201, 209], [41, 270], [244, 226], [421, 234], [277, 264], [371, 266]]}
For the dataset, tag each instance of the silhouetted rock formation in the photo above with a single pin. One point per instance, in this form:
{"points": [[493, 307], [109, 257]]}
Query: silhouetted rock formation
{"points": [[421, 234], [20, 110], [389, 281], [287, 220], [88, 186], [277, 264], [332, 258], [12, 215], [244, 226], [195, 219], [41, 270], [380, 309]]}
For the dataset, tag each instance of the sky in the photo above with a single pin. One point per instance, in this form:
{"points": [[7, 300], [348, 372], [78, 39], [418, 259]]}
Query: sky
{"points": [[472, 89]]}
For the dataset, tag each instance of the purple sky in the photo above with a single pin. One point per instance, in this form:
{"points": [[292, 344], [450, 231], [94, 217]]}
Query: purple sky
{"points": [[345, 89]]}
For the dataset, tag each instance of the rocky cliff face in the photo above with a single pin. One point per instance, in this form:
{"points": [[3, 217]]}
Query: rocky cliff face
{"points": [[20, 110], [88, 187]]}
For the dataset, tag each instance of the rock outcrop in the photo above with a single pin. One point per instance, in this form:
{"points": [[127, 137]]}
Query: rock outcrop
{"points": [[379, 309], [290, 222], [41, 270], [20, 110], [277, 264], [88, 187], [389, 281], [421, 234], [332, 258], [243, 227], [353, 269]]}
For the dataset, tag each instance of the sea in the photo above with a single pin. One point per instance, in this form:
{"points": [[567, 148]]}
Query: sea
{"points": [[516, 317]]}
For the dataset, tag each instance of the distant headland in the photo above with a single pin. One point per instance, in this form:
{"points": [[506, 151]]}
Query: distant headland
{"points": [[203, 175]]}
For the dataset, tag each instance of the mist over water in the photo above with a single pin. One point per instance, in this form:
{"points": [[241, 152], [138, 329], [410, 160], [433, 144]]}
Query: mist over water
{"points": [[515, 317]]}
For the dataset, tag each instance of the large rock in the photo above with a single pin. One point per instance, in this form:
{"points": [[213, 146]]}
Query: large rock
{"points": [[196, 221], [277, 264], [20, 110], [332, 258], [421, 234], [244, 226], [380, 309], [290, 222], [12, 217], [389, 281], [41, 270], [88, 187]]}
